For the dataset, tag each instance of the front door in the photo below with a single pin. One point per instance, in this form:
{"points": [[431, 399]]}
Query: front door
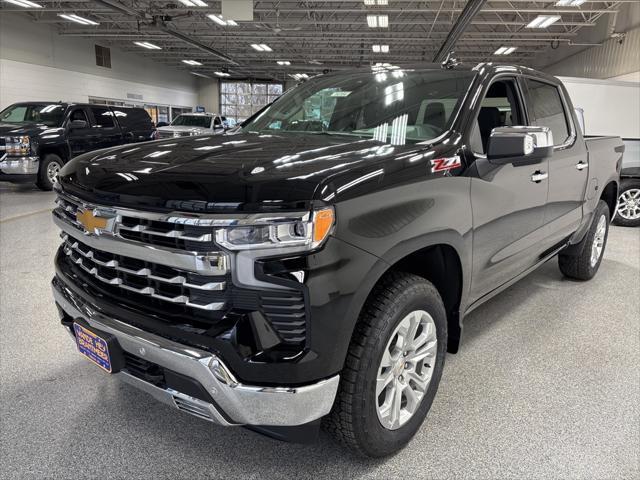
{"points": [[508, 201], [80, 139], [568, 169]]}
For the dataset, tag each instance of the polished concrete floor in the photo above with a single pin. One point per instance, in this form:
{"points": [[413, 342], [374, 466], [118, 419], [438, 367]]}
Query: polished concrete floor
{"points": [[546, 385]]}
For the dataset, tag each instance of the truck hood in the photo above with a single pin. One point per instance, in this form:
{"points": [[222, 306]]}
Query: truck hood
{"points": [[18, 129], [230, 172]]}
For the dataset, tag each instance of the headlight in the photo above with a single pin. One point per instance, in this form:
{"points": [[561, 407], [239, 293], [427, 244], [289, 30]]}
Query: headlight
{"points": [[308, 230], [17, 146]]}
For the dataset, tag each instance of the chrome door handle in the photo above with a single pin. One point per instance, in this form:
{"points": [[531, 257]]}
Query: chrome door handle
{"points": [[581, 165], [539, 176]]}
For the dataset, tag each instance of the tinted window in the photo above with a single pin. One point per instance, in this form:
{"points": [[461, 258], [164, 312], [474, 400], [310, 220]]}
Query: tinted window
{"points": [[385, 104], [103, 117], [78, 114], [47, 114], [499, 108], [546, 109]]}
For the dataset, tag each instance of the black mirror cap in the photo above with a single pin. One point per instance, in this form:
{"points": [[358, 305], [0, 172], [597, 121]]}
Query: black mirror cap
{"points": [[77, 124]]}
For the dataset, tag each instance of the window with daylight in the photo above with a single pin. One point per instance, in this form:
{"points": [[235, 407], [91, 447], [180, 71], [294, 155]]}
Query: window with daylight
{"points": [[240, 100]]}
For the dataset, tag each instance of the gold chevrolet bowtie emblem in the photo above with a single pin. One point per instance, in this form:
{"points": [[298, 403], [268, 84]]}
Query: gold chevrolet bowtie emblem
{"points": [[91, 222]]}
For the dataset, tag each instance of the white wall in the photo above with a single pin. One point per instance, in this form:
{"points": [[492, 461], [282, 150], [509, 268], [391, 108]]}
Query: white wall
{"points": [[38, 64], [628, 77], [610, 107]]}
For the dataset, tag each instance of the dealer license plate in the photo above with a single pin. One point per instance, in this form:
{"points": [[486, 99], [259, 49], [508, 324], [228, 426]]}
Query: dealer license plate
{"points": [[93, 347]]}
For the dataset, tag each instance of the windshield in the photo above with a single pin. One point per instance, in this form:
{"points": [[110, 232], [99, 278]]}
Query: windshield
{"points": [[396, 104], [51, 114], [192, 121]]}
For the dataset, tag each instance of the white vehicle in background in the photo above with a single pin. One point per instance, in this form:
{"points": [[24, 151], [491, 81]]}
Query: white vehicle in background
{"points": [[613, 111], [189, 124]]}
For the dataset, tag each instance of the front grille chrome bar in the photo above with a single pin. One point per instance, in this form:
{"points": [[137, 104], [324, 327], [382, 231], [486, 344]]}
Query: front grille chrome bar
{"points": [[215, 263], [79, 260], [179, 280]]}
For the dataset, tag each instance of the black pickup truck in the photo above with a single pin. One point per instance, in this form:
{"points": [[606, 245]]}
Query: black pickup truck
{"points": [[38, 138], [315, 264]]}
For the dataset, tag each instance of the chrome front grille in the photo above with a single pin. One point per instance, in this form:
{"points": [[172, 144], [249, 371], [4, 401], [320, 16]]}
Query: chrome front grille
{"points": [[151, 280], [136, 226]]}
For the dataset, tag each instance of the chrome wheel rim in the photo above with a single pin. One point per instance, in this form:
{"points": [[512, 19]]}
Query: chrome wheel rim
{"points": [[598, 240], [52, 171], [406, 368], [629, 204]]}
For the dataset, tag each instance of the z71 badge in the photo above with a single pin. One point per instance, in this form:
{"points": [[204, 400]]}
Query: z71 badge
{"points": [[444, 164]]}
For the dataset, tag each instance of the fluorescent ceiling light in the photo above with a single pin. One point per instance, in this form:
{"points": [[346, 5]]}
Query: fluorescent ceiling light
{"points": [[300, 76], [380, 48], [284, 62], [77, 19], [24, 3], [543, 21], [378, 21], [221, 21], [191, 62], [505, 50], [570, 3], [376, 2], [193, 3], [222, 74], [261, 47], [148, 45], [198, 74]]}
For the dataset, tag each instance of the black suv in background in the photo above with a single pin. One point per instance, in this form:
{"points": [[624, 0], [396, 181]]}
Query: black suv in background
{"points": [[37, 138]]}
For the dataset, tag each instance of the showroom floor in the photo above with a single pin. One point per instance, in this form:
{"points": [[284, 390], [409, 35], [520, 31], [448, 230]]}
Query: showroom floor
{"points": [[546, 385]]}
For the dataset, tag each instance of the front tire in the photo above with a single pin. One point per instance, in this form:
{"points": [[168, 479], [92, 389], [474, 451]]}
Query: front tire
{"points": [[393, 367], [628, 211], [50, 165], [585, 258]]}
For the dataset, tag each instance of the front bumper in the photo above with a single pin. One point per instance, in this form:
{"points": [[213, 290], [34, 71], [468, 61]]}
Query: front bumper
{"points": [[232, 403], [19, 165]]}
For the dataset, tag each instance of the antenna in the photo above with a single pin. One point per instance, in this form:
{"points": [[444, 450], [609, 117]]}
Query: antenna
{"points": [[451, 61]]}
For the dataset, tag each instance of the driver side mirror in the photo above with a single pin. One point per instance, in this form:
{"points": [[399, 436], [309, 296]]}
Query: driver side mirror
{"points": [[519, 145], [77, 124]]}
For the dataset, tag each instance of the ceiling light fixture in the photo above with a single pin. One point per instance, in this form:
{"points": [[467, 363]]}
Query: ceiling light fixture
{"points": [[570, 3], [221, 21], [222, 74], [284, 62], [299, 76], [193, 3], [380, 48], [376, 2], [261, 47], [378, 21], [192, 62], [505, 50], [77, 19], [543, 21], [148, 45], [24, 3]]}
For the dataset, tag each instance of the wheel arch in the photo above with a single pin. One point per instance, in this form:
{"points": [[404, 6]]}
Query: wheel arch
{"points": [[610, 196], [440, 262], [59, 150]]}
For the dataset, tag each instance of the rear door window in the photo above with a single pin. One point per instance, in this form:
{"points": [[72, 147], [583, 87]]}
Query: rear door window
{"points": [[546, 109], [103, 117]]}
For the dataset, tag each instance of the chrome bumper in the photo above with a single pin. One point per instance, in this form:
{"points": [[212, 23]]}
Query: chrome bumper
{"points": [[235, 403], [19, 165]]}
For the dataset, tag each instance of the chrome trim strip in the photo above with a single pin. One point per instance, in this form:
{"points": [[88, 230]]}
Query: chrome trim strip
{"points": [[215, 263], [241, 404], [150, 291], [143, 272]]}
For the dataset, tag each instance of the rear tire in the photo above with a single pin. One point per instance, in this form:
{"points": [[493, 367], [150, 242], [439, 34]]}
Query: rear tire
{"points": [[585, 258], [393, 367], [50, 165], [628, 211]]}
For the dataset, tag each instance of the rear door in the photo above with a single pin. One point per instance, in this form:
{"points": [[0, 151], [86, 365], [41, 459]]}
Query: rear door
{"points": [[508, 204], [105, 128], [568, 167]]}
